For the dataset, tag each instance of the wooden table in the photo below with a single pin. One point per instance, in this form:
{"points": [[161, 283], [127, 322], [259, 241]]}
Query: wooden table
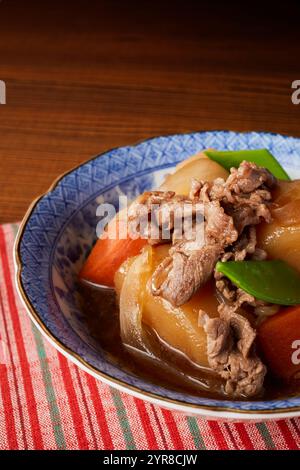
{"points": [[83, 77]]}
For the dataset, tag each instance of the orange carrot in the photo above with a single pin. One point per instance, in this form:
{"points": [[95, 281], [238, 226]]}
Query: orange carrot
{"points": [[108, 254], [279, 341]]}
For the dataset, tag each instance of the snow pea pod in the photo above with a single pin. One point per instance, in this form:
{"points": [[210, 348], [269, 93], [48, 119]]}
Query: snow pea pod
{"points": [[262, 157], [273, 281]]}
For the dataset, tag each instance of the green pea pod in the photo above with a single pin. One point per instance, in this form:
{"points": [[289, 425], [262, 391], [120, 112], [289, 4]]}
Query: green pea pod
{"points": [[261, 157], [273, 281]]}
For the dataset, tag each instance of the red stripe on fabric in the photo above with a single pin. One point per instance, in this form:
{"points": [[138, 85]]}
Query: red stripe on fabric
{"points": [[294, 423], [100, 413], [244, 436], [14, 375], [145, 419], [86, 405], [73, 403], [29, 393], [231, 436], [288, 437], [8, 409], [218, 435], [173, 430], [166, 447]]}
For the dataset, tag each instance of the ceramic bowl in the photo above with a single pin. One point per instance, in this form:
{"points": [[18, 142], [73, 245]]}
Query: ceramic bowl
{"points": [[57, 234]]}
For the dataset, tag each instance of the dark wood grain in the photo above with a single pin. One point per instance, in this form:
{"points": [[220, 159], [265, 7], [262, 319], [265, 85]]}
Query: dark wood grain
{"points": [[83, 77]]}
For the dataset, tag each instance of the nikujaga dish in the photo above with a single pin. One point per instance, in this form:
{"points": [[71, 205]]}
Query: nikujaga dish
{"points": [[213, 308]]}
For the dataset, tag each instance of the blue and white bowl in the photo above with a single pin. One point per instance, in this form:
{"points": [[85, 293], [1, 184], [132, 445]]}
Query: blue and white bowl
{"points": [[58, 231]]}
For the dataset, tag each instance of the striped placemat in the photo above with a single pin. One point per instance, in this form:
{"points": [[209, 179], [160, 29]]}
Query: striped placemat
{"points": [[47, 402]]}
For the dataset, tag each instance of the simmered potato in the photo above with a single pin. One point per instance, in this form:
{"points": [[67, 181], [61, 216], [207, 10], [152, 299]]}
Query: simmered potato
{"points": [[198, 166], [281, 238], [130, 283], [178, 327]]}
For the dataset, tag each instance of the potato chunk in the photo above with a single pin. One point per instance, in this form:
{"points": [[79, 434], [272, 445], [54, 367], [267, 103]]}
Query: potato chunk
{"points": [[178, 327], [198, 166], [281, 238]]}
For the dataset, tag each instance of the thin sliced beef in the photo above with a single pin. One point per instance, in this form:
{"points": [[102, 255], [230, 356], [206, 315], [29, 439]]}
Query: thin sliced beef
{"points": [[248, 177], [179, 276], [245, 195], [219, 226], [191, 262], [230, 351], [158, 216], [245, 179], [247, 211]]}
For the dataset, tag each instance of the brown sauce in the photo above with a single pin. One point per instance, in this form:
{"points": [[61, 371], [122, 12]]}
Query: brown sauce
{"points": [[171, 369]]}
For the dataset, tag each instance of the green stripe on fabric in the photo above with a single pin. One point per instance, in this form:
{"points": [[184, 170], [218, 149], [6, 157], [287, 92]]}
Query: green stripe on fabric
{"points": [[194, 430], [50, 393], [266, 435], [123, 419]]}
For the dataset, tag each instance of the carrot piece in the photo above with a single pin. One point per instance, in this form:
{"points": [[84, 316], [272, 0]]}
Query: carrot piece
{"points": [[279, 341], [107, 256]]}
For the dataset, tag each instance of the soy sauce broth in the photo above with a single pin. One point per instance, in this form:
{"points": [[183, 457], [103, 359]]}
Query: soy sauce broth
{"points": [[172, 370]]}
